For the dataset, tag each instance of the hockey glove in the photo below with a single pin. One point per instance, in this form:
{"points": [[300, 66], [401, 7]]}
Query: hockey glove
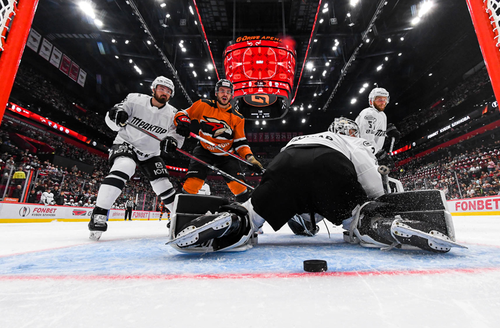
{"points": [[392, 132], [183, 125], [384, 159], [118, 116], [256, 166], [168, 145]]}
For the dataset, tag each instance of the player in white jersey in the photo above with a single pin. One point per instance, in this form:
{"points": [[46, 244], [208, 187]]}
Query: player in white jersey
{"points": [[372, 121], [132, 147], [333, 174]]}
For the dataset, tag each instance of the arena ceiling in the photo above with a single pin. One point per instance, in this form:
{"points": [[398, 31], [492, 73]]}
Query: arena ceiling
{"points": [[353, 46]]}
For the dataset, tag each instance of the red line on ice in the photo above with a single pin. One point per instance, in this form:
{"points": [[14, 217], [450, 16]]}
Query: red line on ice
{"points": [[247, 275]]}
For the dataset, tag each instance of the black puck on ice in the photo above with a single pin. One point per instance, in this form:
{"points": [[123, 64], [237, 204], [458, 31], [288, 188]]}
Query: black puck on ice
{"points": [[315, 266]]}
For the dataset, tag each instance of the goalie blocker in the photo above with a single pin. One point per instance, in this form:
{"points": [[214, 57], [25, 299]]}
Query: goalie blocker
{"points": [[409, 220]]}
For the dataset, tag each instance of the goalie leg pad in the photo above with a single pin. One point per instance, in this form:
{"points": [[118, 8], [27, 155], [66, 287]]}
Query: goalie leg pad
{"points": [[382, 225], [211, 232]]}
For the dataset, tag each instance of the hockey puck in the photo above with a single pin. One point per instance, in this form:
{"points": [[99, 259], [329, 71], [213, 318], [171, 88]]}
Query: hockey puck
{"points": [[315, 266]]}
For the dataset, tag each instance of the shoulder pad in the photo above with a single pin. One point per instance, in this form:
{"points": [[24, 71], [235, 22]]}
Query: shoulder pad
{"points": [[235, 112], [209, 102]]}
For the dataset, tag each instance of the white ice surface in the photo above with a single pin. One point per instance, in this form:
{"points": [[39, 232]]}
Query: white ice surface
{"points": [[51, 275]]}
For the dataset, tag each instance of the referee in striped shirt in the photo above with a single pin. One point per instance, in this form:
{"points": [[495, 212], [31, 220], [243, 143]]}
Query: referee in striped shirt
{"points": [[129, 206]]}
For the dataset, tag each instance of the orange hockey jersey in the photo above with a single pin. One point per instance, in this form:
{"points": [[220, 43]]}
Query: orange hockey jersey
{"points": [[223, 127]]}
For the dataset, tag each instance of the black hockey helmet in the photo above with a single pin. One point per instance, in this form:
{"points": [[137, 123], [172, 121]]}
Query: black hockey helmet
{"points": [[224, 83]]}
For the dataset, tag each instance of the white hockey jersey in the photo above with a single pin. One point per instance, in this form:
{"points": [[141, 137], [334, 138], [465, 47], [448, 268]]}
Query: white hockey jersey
{"points": [[157, 121], [357, 150], [372, 126], [47, 198]]}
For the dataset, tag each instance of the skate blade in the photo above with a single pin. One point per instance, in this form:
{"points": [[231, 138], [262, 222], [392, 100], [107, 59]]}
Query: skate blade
{"points": [[95, 235], [435, 237]]}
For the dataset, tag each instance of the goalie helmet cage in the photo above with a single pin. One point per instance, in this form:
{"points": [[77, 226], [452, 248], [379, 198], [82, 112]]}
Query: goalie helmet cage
{"points": [[16, 18], [485, 16]]}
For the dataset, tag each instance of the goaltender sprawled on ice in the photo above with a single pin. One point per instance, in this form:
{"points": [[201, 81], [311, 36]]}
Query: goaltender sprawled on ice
{"points": [[331, 175]]}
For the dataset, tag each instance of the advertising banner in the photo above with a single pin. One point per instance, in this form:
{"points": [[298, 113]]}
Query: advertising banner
{"points": [[24, 213], [475, 206]]}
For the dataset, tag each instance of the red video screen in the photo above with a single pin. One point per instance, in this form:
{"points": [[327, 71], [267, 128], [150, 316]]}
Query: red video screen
{"points": [[260, 65]]}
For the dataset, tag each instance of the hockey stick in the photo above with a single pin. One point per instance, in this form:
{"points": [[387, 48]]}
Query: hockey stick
{"points": [[194, 135], [384, 170], [392, 145], [227, 175]]}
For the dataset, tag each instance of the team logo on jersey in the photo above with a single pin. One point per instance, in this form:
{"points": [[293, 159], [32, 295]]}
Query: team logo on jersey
{"points": [[217, 127], [371, 118]]}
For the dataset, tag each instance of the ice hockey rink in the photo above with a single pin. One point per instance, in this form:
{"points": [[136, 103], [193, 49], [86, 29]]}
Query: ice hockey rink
{"points": [[52, 275]]}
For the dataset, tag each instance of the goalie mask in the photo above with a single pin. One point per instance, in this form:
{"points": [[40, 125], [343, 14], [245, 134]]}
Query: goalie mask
{"points": [[378, 92], [344, 126], [161, 80]]}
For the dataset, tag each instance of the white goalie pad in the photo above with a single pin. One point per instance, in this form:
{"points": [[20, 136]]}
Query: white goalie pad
{"points": [[190, 207], [412, 220]]}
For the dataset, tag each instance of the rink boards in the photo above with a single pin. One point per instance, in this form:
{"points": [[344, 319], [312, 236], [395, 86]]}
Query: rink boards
{"points": [[33, 213]]}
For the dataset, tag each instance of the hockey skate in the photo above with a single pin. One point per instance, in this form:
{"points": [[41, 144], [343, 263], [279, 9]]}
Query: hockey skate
{"points": [[97, 224], [194, 229], [413, 220], [205, 228], [302, 225]]}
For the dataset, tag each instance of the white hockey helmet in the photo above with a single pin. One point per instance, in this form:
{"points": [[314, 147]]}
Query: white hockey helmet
{"points": [[345, 126], [162, 80], [378, 92]]}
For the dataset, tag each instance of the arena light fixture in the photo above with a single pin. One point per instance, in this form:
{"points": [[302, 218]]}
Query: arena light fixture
{"points": [[88, 8]]}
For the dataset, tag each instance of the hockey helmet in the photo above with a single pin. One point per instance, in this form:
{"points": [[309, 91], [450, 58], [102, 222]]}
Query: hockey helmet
{"points": [[345, 126], [162, 80], [378, 92], [224, 83]]}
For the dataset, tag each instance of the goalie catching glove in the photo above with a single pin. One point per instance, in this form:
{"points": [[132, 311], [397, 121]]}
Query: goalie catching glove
{"points": [[168, 145], [256, 166], [118, 116]]}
